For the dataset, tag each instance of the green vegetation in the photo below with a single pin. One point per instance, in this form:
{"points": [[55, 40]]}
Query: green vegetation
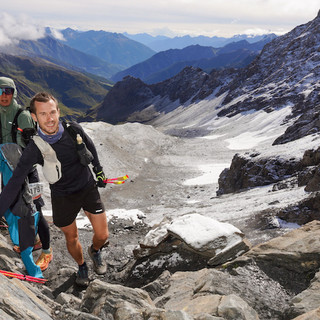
{"points": [[76, 92]]}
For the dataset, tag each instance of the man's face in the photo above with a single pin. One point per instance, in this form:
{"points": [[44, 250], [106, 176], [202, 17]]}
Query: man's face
{"points": [[5, 99], [47, 116]]}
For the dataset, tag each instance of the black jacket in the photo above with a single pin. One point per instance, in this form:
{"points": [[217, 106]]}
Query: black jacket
{"points": [[75, 176]]}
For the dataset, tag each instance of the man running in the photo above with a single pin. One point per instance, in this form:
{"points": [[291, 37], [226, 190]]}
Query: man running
{"points": [[74, 187]]}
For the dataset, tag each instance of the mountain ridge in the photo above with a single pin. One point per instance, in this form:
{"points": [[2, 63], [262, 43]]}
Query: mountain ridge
{"points": [[55, 51], [164, 65], [163, 43], [114, 48], [285, 73]]}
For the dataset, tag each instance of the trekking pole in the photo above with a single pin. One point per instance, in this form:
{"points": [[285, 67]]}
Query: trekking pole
{"points": [[23, 277], [119, 180]]}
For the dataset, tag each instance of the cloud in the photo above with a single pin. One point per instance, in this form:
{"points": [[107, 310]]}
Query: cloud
{"points": [[13, 29], [194, 17], [57, 34]]}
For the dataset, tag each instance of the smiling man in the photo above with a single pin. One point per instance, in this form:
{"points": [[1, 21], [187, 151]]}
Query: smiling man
{"points": [[73, 189]]}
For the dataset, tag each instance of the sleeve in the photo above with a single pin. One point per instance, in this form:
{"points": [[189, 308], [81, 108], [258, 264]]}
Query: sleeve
{"points": [[29, 158], [24, 121]]}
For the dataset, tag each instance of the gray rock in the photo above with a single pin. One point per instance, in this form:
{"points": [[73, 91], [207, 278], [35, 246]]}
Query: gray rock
{"points": [[102, 298], [308, 299], [19, 302], [248, 171], [233, 307], [175, 246]]}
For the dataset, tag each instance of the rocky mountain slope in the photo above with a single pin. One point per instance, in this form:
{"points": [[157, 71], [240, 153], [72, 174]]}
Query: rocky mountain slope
{"points": [[60, 54], [286, 73], [272, 274]]}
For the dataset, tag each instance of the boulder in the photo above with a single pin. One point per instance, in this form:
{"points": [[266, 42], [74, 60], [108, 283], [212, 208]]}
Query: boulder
{"points": [[187, 243], [103, 298], [195, 293], [250, 170], [18, 301], [291, 260]]}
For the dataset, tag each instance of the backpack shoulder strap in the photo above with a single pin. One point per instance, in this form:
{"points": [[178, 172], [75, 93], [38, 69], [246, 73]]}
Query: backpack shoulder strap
{"points": [[84, 154], [72, 130], [51, 165], [14, 126], [0, 132]]}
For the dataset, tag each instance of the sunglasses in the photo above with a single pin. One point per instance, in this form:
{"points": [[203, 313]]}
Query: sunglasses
{"points": [[7, 91]]}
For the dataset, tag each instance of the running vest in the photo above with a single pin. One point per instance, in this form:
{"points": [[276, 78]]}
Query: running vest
{"points": [[51, 165]]}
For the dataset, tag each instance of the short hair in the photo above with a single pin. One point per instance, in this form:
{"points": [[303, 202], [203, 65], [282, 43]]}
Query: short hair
{"points": [[41, 97]]}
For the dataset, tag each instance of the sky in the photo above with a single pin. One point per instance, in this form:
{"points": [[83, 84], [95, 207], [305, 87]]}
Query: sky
{"points": [[26, 19]]}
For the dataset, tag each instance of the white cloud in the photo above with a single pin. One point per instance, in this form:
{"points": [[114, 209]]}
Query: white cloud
{"points": [[57, 34], [13, 29], [194, 17]]}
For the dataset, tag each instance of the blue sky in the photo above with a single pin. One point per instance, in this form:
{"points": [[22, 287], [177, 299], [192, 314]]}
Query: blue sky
{"points": [[166, 17]]}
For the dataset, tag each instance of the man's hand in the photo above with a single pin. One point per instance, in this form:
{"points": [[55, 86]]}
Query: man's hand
{"points": [[101, 178], [27, 133]]}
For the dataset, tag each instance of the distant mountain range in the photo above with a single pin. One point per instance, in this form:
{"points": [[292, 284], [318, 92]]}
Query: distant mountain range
{"points": [[57, 52], [163, 43], [167, 64], [285, 73], [76, 69], [114, 48], [96, 52]]}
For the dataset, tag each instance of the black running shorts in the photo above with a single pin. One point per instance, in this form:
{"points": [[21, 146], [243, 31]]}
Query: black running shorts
{"points": [[66, 208]]}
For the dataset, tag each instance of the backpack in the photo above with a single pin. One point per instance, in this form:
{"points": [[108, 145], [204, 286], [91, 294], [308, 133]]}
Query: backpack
{"points": [[14, 126], [26, 133], [22, 217]]}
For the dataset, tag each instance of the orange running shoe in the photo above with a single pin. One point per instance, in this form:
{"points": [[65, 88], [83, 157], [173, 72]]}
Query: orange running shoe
{"points": [[37, 246], [44, 260]]}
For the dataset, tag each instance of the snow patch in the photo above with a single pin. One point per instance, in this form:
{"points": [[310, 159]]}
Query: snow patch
{"points": [[198, 231], [211, 173]]}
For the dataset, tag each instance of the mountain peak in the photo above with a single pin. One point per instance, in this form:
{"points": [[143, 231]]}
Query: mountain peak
{"points": [[285, 73]]}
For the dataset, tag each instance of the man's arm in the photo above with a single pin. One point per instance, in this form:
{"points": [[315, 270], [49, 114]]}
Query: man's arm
{"points": [[9, 193]]}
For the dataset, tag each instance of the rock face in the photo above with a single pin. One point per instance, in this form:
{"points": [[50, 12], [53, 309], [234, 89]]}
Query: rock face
{"points": [[276, 280], [250, 170], [247, 172]]}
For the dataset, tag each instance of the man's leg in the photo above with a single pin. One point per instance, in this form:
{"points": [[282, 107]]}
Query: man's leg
{"points": [[72, 241], [100, 236], [100, 229]]}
